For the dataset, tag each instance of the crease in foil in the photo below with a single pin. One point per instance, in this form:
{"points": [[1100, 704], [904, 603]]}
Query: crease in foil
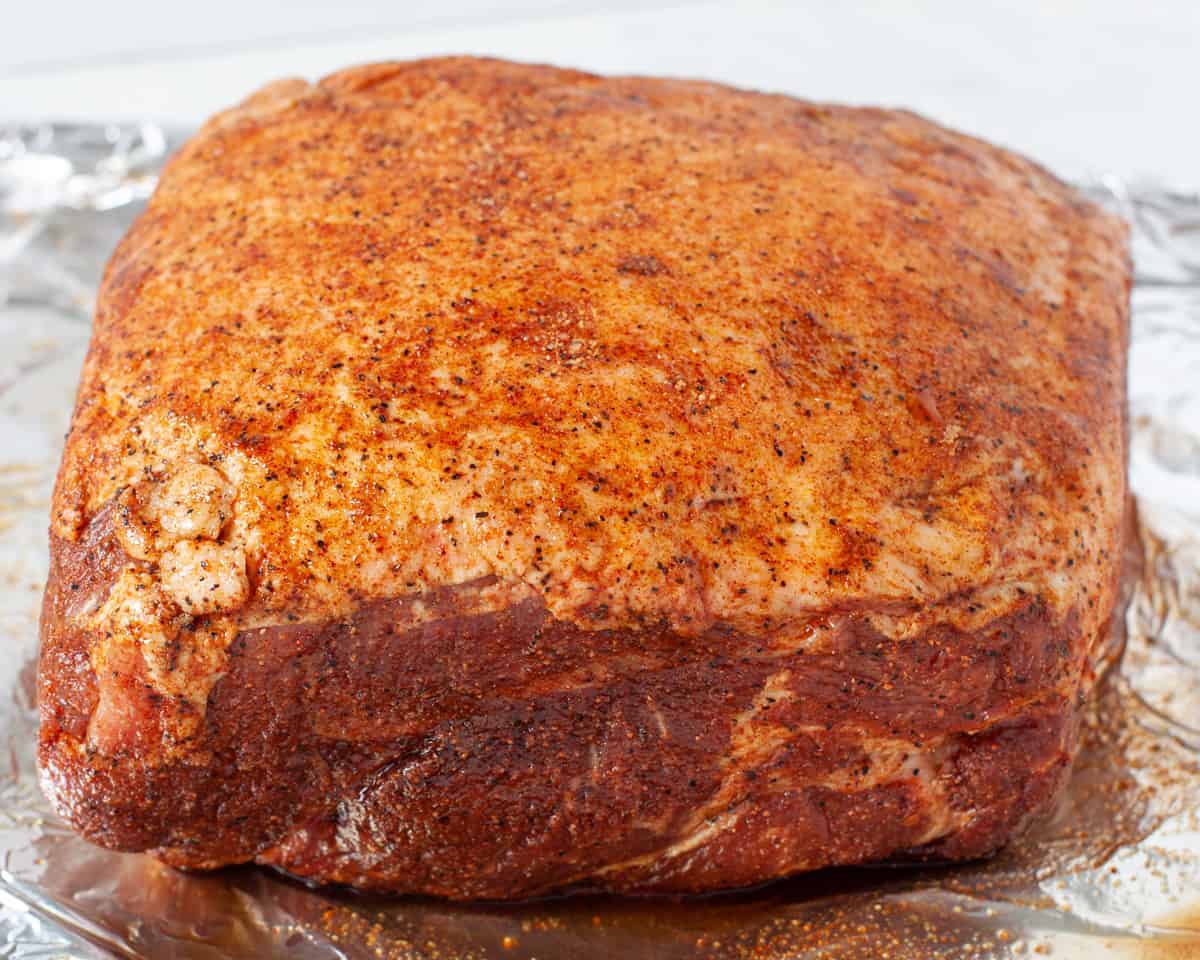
{"points": [[1114, 873]]}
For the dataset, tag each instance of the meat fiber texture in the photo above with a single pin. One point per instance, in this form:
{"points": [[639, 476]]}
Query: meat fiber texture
{"points": [[491, 479]]}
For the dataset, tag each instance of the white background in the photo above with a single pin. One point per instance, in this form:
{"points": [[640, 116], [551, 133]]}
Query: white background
{"points": [[1108, 86]]}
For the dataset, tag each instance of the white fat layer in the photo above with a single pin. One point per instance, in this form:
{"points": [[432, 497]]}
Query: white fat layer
{"points": [[205, 577], [140, 622], [194, 502]]}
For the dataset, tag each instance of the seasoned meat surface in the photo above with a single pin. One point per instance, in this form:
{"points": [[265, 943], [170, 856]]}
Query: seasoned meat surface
{"points": [[489, 479]]}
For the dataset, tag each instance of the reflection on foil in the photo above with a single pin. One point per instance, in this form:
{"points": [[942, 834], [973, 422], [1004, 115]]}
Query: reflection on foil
{"points": [[1115, 873], [67, 193]]}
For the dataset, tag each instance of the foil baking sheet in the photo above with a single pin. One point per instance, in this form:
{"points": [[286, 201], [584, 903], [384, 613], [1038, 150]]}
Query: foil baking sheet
{"points": [[1115, 872]]}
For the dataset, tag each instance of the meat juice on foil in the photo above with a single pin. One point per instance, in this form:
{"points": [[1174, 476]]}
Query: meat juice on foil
{"points": [[1114, 873]]}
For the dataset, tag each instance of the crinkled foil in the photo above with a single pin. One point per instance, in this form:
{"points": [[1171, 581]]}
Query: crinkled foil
{"points": [[1114, 873]]}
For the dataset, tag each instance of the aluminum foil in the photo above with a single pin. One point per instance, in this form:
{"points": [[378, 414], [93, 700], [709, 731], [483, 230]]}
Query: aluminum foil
{"points": [[1114, 873]]}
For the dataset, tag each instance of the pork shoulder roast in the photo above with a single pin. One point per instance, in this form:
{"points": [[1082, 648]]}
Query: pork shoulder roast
{"points": [[492, 479]]}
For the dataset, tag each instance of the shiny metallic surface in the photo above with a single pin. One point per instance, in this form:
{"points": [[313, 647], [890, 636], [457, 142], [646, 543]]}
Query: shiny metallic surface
{"points": [[1115, 873]]}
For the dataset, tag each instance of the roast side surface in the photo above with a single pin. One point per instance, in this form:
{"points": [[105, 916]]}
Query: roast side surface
{"points": [[488, 479]]}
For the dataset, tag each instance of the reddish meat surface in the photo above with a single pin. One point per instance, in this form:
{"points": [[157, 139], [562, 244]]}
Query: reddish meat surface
{"points": [[490, 479]]}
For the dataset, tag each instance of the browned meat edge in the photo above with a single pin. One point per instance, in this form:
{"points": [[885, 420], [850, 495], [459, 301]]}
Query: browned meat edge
{"points": [[508, 753]]}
